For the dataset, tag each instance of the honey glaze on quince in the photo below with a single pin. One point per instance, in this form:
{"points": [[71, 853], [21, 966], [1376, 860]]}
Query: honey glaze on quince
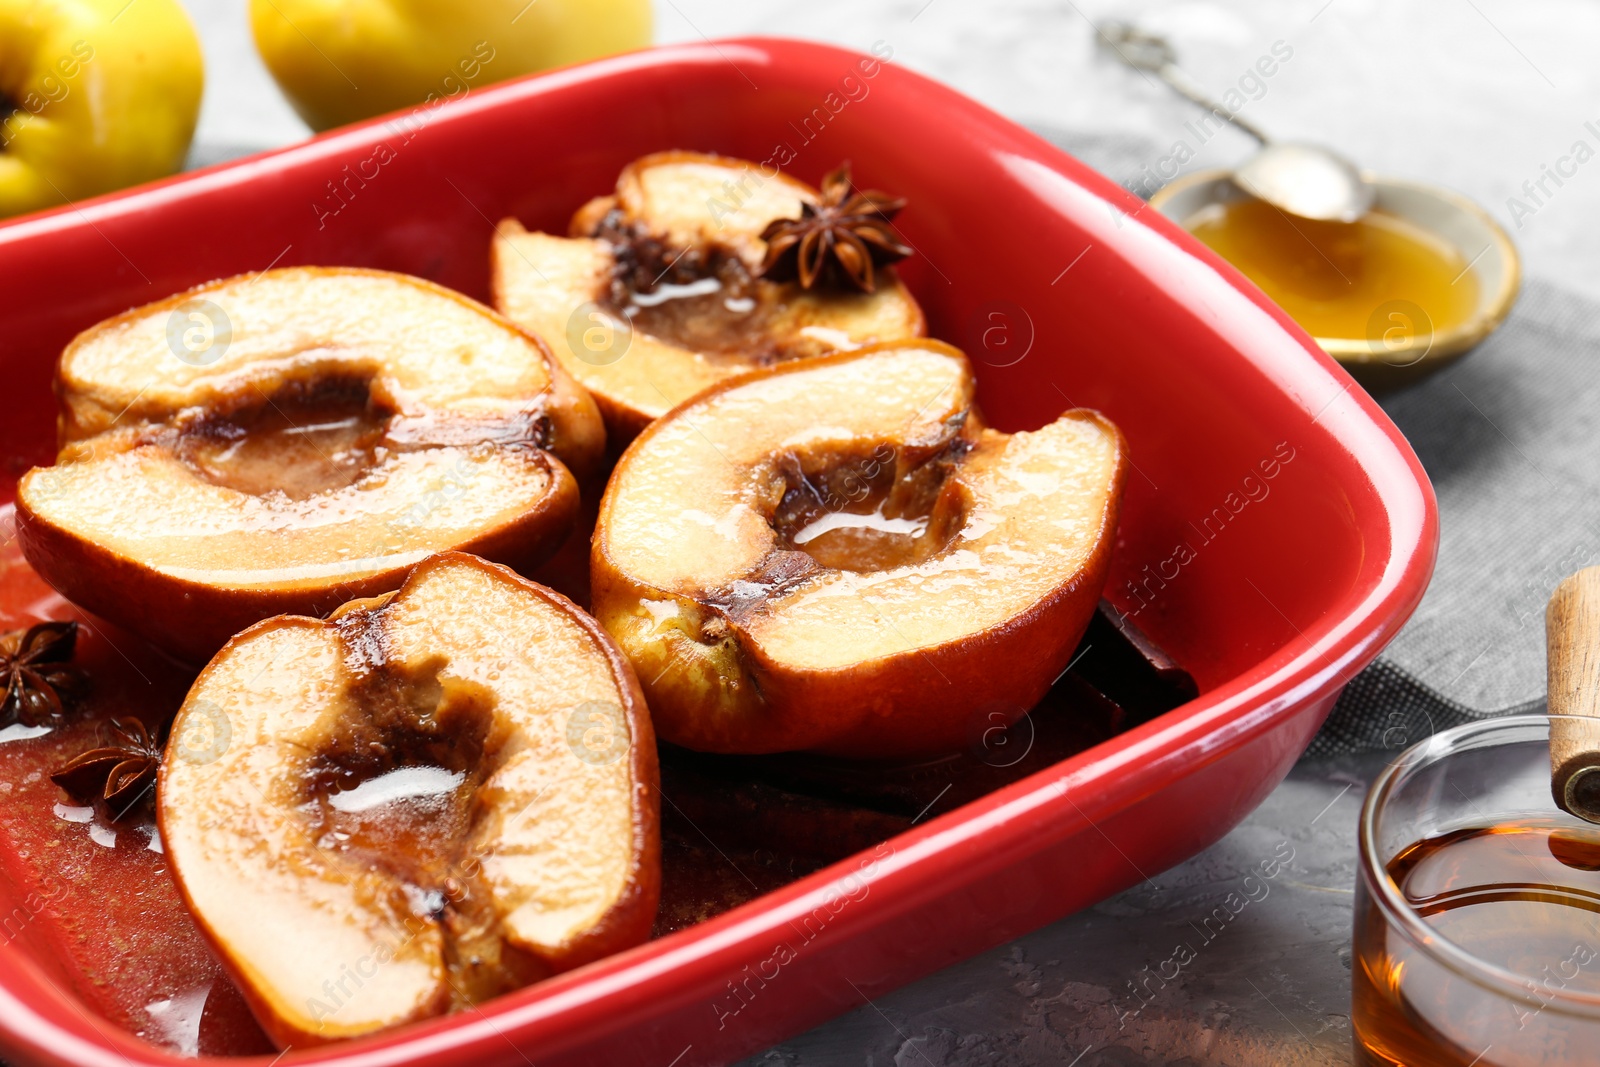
{"points": [[395, 790], [869, 509], [305, 440], [703, 298]]}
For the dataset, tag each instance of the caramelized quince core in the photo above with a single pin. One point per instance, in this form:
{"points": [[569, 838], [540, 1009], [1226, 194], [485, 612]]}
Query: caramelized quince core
{"points": [[301, 443]]}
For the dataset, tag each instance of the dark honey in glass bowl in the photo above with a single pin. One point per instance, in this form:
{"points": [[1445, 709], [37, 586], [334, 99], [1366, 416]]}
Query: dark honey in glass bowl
{"points": [[1521, 896]]}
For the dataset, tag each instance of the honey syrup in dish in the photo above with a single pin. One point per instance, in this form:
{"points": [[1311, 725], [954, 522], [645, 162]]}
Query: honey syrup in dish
{"points": [[1523, 897], [1345, 280]]}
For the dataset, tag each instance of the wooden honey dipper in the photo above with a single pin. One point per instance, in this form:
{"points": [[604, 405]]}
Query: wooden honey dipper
{"points": [[1572, 639]]}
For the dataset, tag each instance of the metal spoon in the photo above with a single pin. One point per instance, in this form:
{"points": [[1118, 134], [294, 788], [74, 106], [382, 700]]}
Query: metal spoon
{"points": [[1301, 179]]}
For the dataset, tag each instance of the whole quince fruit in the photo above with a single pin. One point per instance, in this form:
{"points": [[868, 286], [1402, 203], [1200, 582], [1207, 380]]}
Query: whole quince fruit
{"points": [[95, 95], [341, 61]]}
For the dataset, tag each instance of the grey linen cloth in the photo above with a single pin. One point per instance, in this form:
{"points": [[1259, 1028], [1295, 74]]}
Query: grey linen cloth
{"points": [[1510, 436]]}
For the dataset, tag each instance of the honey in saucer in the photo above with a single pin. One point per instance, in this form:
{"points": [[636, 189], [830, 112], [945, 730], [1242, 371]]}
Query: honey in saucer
{"points": [[1360, 280]]}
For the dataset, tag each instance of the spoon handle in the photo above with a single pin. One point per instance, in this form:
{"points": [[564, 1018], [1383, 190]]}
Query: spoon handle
{"points": [[1185, 88], [1572, 635], [1143, 50]]}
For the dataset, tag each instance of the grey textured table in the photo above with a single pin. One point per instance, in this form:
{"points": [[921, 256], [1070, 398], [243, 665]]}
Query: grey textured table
{"points": [[1477, 94]]}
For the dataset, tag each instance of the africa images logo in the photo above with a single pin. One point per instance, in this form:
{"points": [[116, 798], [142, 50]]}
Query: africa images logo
{"points": [[199, 332]]}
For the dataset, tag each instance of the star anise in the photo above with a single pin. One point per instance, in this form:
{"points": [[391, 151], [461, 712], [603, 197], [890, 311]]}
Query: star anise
{"points": [[34, 664], [117, 774], [839, 240]]}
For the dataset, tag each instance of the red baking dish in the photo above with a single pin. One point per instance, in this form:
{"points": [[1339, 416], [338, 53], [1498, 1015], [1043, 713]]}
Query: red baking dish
{"points": [[1277, 530]]}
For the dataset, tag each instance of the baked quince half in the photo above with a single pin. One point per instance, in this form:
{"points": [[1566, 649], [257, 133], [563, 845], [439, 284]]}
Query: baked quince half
{"points": [[671, 284], [424, 801], [282, 442], [837, 556]]}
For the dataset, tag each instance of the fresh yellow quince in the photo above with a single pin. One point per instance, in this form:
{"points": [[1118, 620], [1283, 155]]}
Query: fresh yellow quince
{"points": [[95, 95], [339, 61]]}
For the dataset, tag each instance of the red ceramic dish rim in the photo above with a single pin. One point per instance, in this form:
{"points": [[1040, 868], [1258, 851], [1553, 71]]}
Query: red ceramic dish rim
{"points": [[954, 848]]}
